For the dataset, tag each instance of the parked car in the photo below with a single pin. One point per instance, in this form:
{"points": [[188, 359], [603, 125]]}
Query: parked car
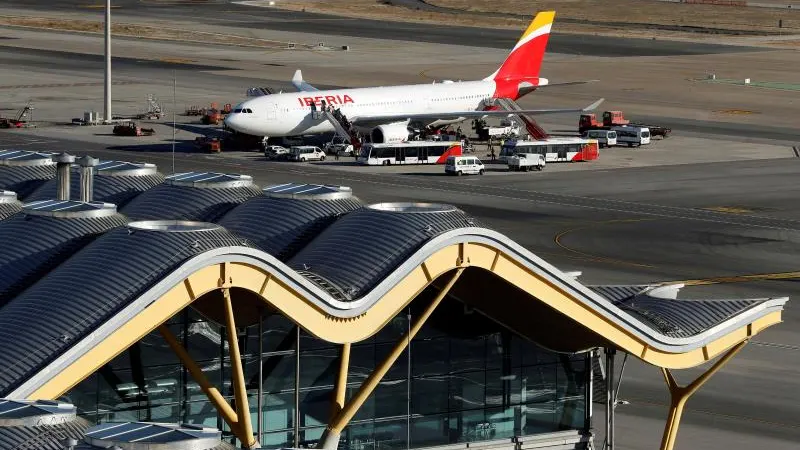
{"points": [[605, 138], [463, 165], [304, 153]]}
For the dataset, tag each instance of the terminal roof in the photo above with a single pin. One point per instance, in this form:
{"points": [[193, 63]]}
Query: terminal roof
{"points": [[319, 247]]}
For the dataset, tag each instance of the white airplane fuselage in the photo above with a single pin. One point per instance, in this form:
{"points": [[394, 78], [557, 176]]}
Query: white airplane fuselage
{"points": [[289, 114]]}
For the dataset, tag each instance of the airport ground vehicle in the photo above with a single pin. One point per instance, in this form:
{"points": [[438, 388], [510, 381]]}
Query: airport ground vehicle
{"points": [[275, 152], [553, 149], [343, 147], [605, 138], [18, 121], [632, 135], [463, 165], [131, 129], [525, 162], [507, 128], [208, 144], [589, 121], [304, 153], [411, 152]]}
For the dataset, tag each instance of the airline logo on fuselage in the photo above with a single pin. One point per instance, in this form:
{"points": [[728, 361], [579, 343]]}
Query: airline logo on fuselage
{"points": [[329, 99]]}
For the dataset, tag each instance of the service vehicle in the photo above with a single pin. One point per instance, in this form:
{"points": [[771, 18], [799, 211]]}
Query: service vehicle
{"points": [[463, 165], [507, 128], [410, 152], [276, 152], [525, 162], [632, 136], [304, 153], [341, 146], [553, 149], [611, 119], [605, 138], [131, 129]]}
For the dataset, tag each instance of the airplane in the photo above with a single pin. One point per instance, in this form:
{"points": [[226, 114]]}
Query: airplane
{"points": [[384, 113]]}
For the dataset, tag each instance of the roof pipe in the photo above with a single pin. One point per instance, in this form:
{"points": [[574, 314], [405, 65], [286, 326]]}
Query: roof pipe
{"points": [[87, 164], [63, 163]]}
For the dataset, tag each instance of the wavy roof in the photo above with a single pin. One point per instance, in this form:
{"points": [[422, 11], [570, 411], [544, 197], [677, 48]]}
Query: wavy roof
{"points": [[338, 269]]}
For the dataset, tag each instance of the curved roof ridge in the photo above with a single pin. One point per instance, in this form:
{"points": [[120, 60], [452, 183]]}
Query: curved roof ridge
{"points": [[515, 259]]}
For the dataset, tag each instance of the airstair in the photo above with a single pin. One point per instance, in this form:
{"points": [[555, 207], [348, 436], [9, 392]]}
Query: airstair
{"points": [[342, 127], [534, 130]]}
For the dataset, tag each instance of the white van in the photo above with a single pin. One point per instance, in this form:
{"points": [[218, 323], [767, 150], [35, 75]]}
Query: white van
{"points": [[631, 136], [605, 138], [461, 165], [306, 153]]}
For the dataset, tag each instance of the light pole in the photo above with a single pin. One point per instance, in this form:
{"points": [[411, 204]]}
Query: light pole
{"points": [[107, 96]]}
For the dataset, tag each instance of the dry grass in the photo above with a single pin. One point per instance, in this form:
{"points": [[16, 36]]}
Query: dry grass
{"points": [[138, 31], [592, 16]]}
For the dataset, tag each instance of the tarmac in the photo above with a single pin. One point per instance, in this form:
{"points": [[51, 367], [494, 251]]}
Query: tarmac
{"points": [[719, 198]]}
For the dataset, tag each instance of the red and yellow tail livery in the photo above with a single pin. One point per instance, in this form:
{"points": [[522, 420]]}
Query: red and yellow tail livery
{"points": [[520, 70]]}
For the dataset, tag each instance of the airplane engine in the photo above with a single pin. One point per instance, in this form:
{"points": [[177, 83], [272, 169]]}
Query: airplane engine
{"points": [[390, 133]]}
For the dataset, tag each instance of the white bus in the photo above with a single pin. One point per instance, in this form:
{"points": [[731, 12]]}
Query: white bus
{"points": [[553, 149], [631, 136], [411, 152]]}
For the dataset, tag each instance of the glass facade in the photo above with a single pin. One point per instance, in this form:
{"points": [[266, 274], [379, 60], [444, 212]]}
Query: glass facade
{"points": [[464, 378]]}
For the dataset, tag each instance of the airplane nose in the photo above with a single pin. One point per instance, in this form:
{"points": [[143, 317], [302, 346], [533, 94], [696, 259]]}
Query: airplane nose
{"points": [[233, 121]]}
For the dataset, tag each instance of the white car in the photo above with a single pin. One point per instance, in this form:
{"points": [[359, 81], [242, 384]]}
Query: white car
{"points": [[463, 165], [605, 138], [304, 153]]}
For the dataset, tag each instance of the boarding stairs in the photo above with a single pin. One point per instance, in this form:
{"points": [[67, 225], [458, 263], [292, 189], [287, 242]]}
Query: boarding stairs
{"points": [[534, 130], [343, 129]]}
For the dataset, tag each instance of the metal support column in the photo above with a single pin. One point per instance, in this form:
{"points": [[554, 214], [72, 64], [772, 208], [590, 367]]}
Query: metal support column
{"points": [[245, 427], [297, 388], [680, 395], [260, 401], [330, 438], [107, 96], [610, 398]]}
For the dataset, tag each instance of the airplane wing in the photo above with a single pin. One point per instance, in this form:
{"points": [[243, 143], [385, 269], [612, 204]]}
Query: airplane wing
{"points": [[388, 118], [300, 84]]}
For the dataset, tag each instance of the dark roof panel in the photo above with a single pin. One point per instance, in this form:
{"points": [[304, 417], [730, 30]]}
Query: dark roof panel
{"points": [[23, 172], [288, 216], [359, 250], [192, 196], [40, 323], [670, 316], [44, 235], [9, 205], [115, 182]]}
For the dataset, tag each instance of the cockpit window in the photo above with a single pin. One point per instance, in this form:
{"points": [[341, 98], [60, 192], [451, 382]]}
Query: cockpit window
{"points": [[248, 111], [236, 111]]}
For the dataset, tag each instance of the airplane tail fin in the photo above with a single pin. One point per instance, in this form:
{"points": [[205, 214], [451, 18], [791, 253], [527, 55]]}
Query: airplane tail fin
{"points": [[525, 59]]}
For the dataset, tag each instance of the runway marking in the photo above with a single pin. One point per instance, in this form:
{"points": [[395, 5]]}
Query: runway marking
{"points": [[596, 258], [729, 209], [739, 278]]}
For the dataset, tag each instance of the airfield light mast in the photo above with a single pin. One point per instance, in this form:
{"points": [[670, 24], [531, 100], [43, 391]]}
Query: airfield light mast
{"points": [[107, 95]]}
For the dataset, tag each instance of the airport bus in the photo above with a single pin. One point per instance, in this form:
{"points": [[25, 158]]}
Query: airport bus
{"points": [[554, 149], [410, 152]]}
